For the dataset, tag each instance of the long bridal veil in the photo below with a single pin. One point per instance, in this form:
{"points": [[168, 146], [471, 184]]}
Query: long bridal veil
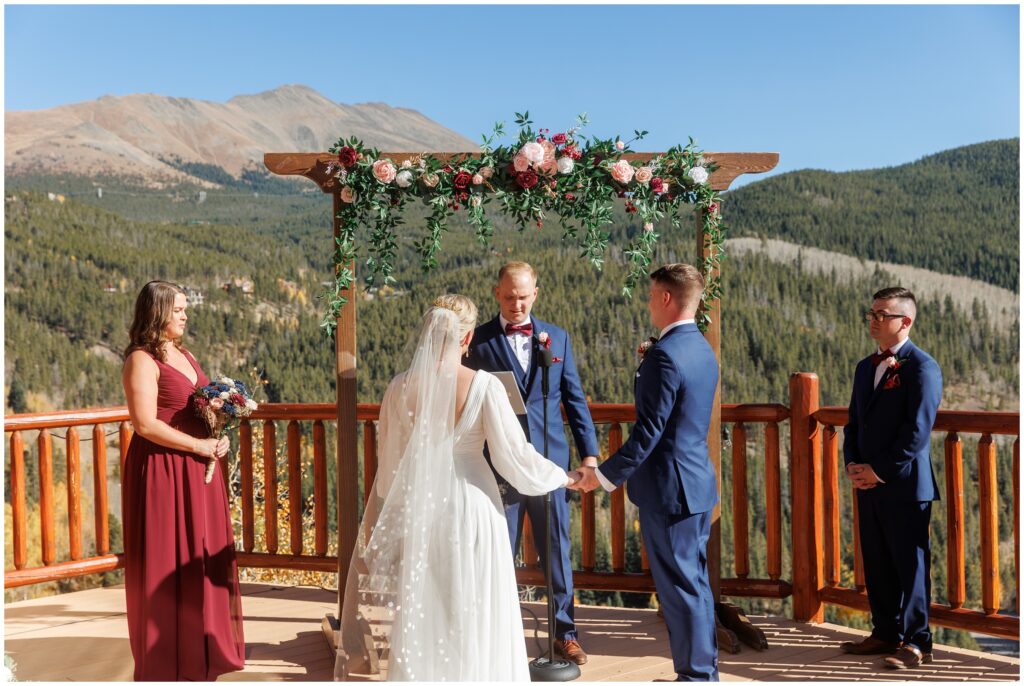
{"points": [[404, 569]]}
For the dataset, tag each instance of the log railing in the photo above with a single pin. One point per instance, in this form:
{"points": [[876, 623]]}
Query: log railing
{"points": [[814, 504], [827, 545]]}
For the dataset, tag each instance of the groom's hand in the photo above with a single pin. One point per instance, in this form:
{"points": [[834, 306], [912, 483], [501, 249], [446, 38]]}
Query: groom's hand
{"points": [[588, 479]]}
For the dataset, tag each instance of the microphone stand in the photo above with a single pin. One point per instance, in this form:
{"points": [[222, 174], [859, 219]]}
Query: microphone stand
{"points": [[549, 668]]}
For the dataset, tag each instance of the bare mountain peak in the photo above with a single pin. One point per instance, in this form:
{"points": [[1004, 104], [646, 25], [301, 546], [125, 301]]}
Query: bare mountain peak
{"points": [[133, 134]]}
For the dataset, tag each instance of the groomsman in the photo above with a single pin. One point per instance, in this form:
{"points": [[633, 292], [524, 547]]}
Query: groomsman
{"points": [[671, 478], [887, 446], [509, 342]]}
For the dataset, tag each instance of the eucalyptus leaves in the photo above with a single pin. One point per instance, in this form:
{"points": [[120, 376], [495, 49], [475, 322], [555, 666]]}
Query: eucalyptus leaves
{"points": [[574, 177]]}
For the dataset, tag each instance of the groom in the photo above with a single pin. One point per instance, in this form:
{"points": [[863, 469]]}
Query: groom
{"points": [[509, 342], [671, 479]]}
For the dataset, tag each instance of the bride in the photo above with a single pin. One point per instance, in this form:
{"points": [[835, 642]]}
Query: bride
{"points": [[431, 587]]}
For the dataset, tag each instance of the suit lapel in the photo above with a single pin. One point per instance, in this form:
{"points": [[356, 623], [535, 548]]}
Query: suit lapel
{"points": [[903, 352], [531, 370]]}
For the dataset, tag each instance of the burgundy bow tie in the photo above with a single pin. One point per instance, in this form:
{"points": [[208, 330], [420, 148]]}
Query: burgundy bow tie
{"points": [[525, 329], [879, 358]]}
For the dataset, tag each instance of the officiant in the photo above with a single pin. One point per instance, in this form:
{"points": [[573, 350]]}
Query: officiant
{"points": [[509, 343]]}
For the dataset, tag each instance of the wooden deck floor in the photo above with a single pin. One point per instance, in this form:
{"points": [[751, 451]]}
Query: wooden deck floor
{"points": [[83, 637]]}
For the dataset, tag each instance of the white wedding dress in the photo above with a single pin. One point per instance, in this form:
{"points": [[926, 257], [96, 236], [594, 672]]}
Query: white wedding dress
{"points": [[432, 592]]}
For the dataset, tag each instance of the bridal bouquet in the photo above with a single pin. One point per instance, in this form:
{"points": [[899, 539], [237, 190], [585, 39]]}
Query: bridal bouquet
{"points": [[221, 404]]}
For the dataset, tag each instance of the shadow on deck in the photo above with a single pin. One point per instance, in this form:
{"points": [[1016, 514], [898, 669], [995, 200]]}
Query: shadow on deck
{"points": [[83, 637]]}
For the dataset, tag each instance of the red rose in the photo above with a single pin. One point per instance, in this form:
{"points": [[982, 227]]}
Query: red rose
{"points": [[347, 156], [201, 402], [446, 168], [462, 180], [558, 138], [713, 208], [570, 197], [527, 179], [657, 184]]}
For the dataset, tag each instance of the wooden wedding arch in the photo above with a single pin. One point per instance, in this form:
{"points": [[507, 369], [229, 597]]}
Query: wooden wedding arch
{"points": [[314, 166]]}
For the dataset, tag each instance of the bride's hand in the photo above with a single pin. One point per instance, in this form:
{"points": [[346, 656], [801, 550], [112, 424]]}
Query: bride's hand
{"points": [[572, 478]]}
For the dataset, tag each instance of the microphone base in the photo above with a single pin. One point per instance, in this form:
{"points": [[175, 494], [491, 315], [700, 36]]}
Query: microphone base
{"points": [[543, 669]]}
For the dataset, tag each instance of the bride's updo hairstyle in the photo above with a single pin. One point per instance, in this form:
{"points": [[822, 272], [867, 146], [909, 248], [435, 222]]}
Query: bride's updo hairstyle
{"points": [[463, 308]]}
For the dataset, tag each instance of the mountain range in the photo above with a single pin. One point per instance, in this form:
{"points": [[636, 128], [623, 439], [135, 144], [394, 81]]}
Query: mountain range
{"points": [[144, 135]]}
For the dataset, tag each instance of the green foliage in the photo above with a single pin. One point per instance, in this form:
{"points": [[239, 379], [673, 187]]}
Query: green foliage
{"points": [[956, 212]]}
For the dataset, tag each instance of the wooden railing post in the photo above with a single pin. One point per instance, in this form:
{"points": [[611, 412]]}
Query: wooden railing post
{"points": [[773, 500], [956, 584], [805, 491], [830, 470], [99, 477], [740, 497], [989, 520], [18, 511]]}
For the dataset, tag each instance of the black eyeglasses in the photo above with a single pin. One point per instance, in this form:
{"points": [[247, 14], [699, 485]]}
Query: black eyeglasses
{"points": [[881, 316]]}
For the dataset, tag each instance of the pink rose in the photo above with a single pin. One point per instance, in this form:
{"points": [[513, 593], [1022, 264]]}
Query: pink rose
{"points": [[548, 167], [348, 195], [643, 175], [533, 152], [216, 403], [622, 171], [619, 145], [384, 171], [549, 150], [478, 179], [558, 138], [520, 163], [487, 172]]}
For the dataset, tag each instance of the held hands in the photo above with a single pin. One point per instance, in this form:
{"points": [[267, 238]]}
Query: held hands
{"points": [[584, 479], [862, 476]]}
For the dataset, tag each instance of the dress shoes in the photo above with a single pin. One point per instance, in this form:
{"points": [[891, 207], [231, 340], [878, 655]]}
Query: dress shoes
{"points": [[906, 657], [571, 650], [869, 646]]}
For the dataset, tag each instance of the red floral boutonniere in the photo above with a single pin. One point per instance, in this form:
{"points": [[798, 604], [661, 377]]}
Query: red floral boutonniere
{"points": [[545, 341], [645, 346], [894, 364]]}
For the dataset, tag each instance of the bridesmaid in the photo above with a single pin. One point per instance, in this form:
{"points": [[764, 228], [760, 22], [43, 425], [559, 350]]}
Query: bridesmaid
{"points": [[181, 579]]}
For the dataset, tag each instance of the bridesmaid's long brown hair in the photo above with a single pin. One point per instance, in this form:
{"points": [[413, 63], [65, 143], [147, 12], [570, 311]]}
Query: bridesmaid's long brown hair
{"points": [[153, 310]]}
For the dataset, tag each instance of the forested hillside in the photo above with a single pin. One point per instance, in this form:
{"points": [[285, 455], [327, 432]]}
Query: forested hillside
{"points": [[956, 212]]}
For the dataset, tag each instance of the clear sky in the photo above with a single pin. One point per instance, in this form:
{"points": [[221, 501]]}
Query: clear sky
{"points": [[833, 87]]}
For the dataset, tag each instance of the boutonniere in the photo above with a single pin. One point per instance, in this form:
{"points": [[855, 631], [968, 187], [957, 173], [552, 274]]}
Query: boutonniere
{"points": [[894, 364], [544, 340], [645, 346]]}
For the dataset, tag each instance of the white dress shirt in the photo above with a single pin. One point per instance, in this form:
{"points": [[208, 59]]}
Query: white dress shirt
{"points": [[605, 483], [519, 342], [884, 364]]}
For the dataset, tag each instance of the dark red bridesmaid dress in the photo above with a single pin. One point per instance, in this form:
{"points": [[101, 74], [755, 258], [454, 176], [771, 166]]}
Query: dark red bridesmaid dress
{"points": [[181, 579]]}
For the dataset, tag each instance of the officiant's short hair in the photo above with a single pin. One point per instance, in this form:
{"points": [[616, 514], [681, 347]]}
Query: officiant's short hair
{"points": [[683, 281], [517, 268]]}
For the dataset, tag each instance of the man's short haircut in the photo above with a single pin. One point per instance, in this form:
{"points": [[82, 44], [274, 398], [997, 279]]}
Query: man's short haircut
{"points": [[905, 297], [683, 281], [516, 268]]}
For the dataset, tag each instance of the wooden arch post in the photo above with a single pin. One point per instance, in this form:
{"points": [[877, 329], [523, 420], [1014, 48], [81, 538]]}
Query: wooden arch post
{"points": [[314, 166]]}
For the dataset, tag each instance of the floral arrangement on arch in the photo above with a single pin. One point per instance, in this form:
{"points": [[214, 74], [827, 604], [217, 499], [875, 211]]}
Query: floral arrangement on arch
{"points": [[577, 178]]}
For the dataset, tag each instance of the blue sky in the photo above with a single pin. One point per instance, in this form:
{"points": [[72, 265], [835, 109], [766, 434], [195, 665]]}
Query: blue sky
{"points": [[833, 87]]}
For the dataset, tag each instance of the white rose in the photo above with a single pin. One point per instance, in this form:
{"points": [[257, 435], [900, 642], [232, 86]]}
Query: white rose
{"points": [[226, 380], [406, 164], [251, 404], [543, 337], [404, 178], [698, 174], [565, 165], [533, 152], [224, 395]]}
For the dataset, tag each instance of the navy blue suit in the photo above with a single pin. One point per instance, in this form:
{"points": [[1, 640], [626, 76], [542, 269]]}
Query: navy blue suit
{"points": [[890, 428], [490, 351], [673, 483]]}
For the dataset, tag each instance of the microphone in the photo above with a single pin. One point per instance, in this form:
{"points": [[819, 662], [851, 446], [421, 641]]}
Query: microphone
{"points": [[544, 361]]}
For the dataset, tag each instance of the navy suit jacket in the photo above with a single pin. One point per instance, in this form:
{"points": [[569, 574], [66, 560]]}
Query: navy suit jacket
{"points": [[491, 352], [666, 455], [891, 428]]}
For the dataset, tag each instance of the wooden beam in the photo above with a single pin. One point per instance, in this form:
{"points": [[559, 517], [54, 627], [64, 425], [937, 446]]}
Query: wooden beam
{"points": [[313, 165]]}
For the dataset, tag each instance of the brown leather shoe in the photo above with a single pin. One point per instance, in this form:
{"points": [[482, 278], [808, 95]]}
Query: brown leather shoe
{"points": [[869, 646], [906, 657], [571, 650]]}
